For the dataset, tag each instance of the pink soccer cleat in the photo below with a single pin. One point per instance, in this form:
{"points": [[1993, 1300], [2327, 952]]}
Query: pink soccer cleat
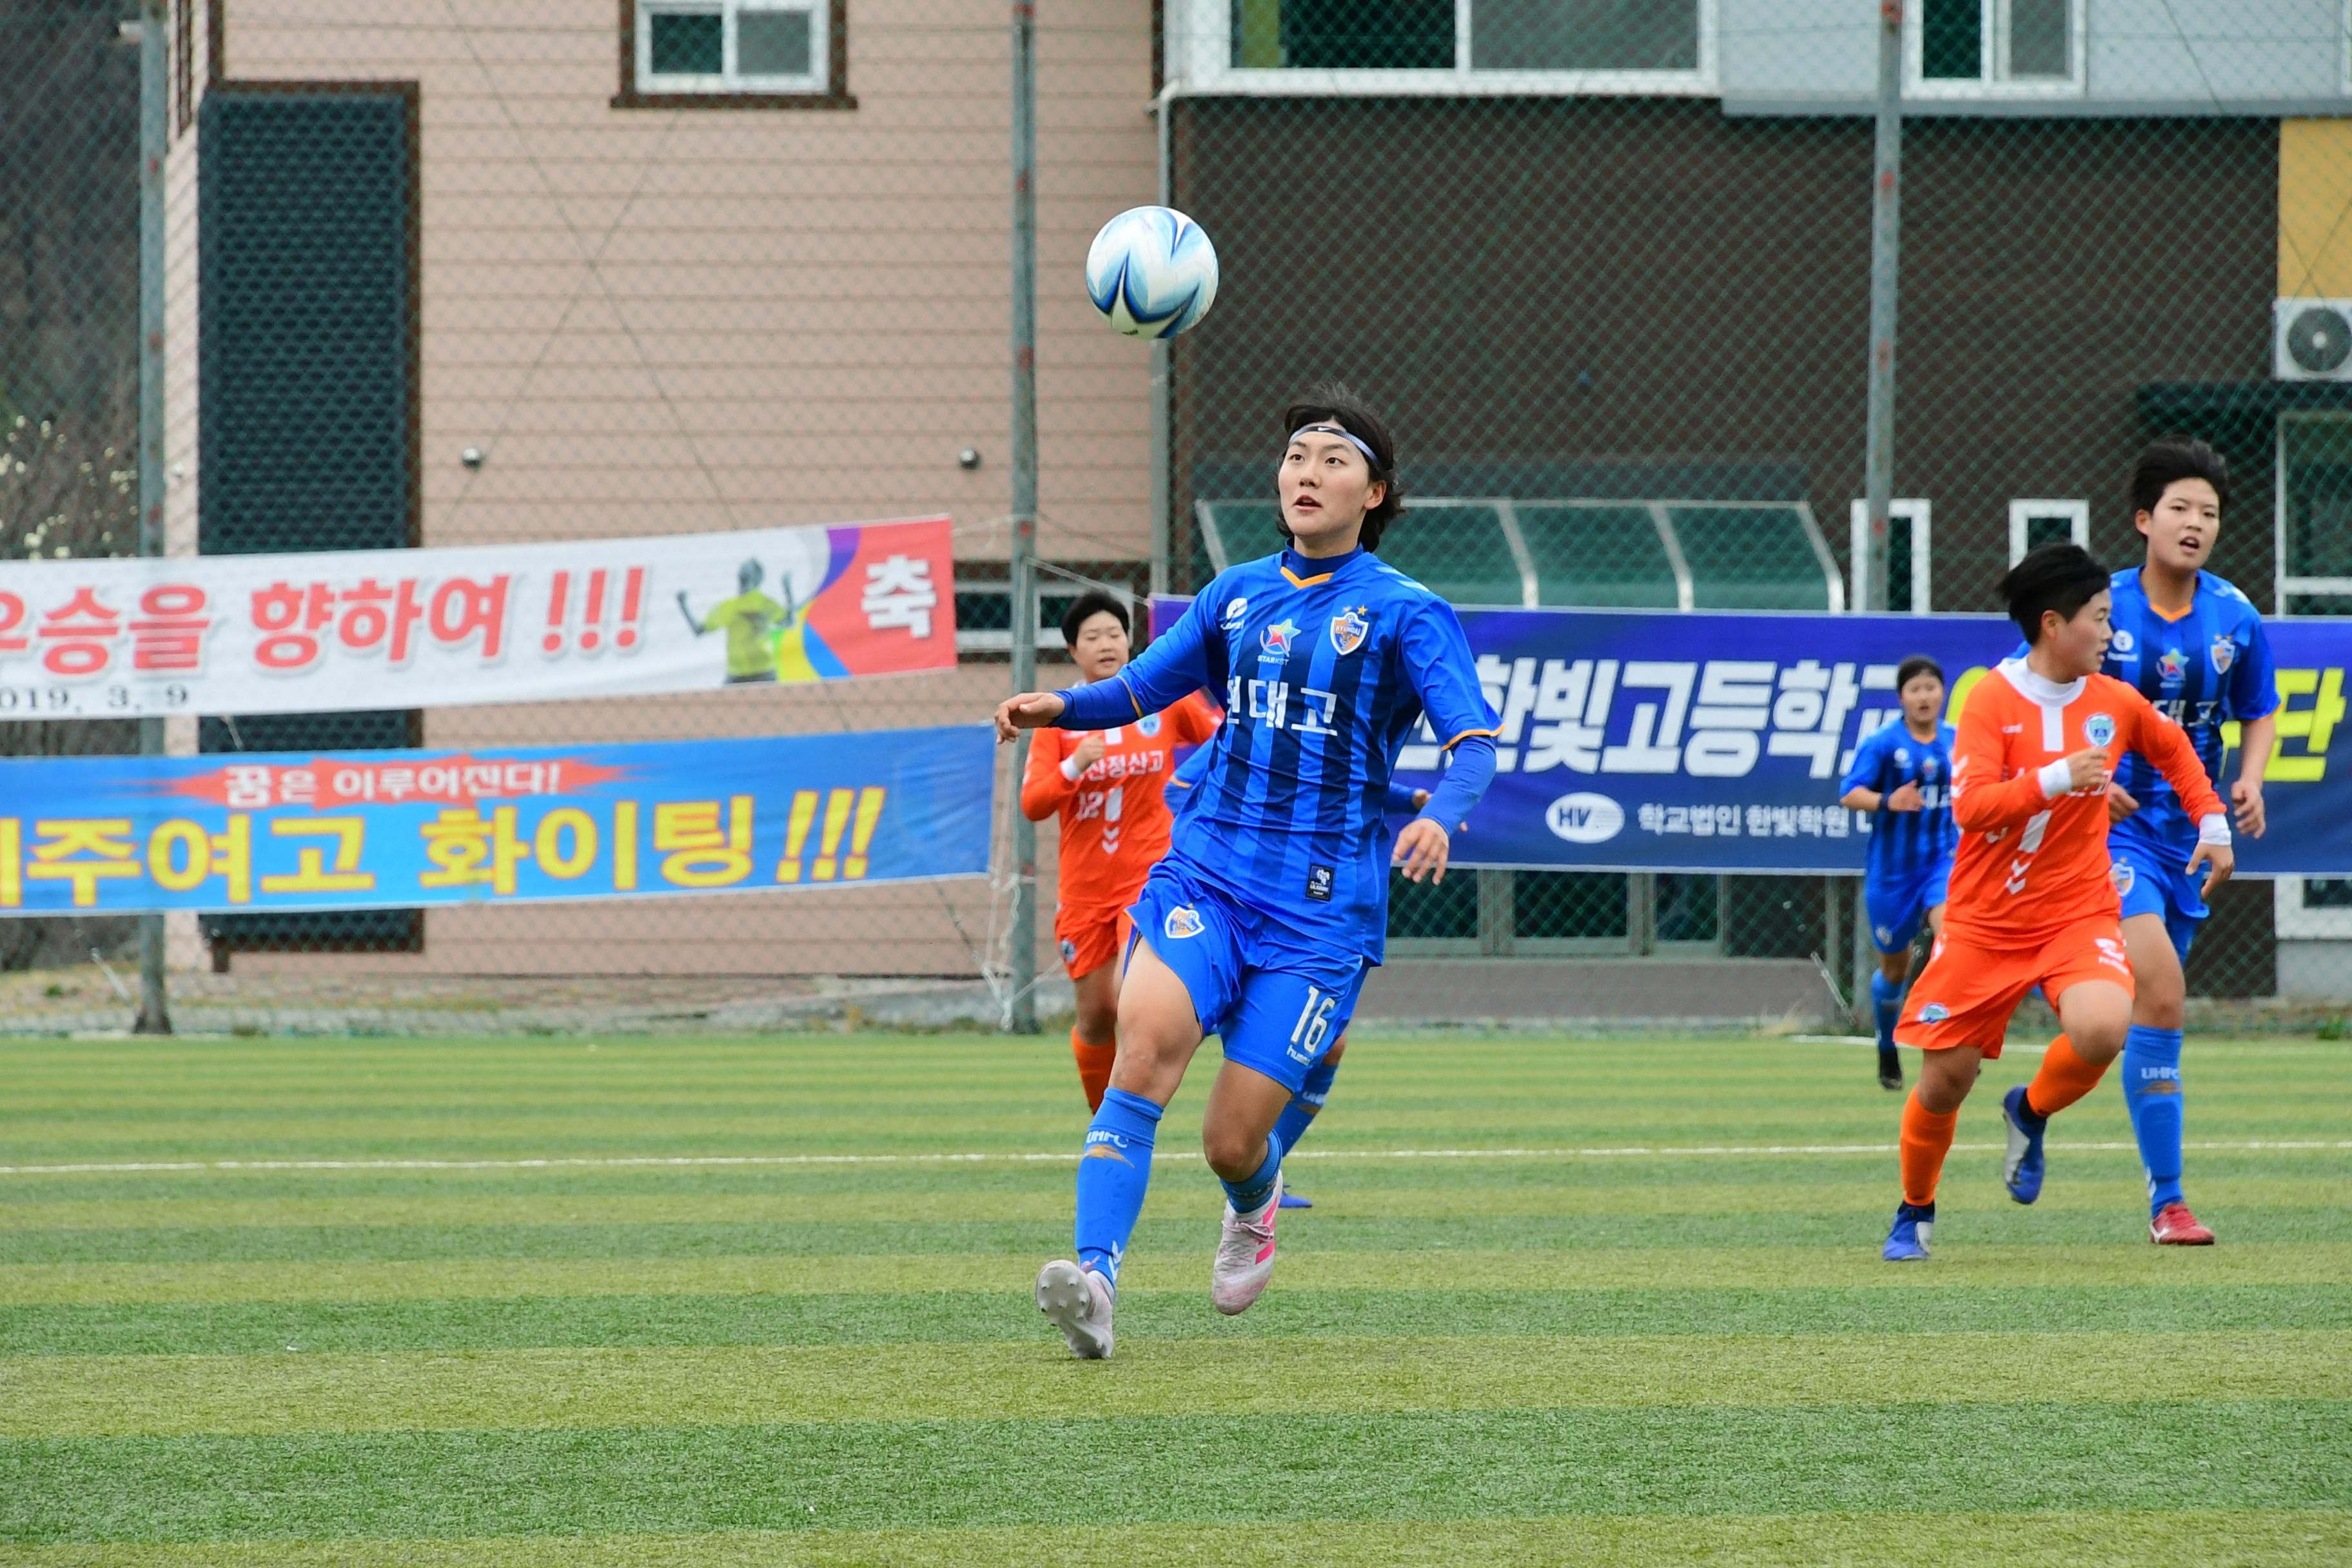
{"points": [[1245, 1256]]}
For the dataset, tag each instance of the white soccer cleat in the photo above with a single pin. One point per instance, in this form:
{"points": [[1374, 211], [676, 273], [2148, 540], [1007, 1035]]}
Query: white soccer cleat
{"points": [[1245, 1256], [1078, 1302]]}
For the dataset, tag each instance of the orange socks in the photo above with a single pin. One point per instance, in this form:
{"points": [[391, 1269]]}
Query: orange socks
{"points": [[1094, 1068], [1926, 1138], [2065, 1079]]}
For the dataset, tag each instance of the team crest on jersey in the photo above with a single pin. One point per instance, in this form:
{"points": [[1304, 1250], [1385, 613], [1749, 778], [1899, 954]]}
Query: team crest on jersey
{"points": [[2173, 662], [1347, 630], [1069, 950], [2099, 728], [1184, 921], [2224, 654], [1934, 1013], [1276, 638], [2123, 876], [1148, 726]]}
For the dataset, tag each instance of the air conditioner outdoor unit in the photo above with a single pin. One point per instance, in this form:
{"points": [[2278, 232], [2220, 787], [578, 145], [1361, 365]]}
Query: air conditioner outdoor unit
{"points": [[2311, 339]]}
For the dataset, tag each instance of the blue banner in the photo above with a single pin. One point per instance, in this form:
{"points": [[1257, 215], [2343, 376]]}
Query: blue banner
{"points": [[1652, 741], [353, 830]]}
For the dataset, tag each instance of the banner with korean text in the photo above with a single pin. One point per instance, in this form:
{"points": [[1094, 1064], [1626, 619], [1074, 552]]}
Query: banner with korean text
{"points": [[121, 637], [354, 830], [1698, 742]]}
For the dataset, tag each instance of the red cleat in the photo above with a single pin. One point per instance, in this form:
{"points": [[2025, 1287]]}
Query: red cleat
{"points": [[2174, 1225]]}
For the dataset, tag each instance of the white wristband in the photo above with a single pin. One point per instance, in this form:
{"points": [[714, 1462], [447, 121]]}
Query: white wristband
{"points": [[2056, 779], [2213, 828], [1070, 769]]}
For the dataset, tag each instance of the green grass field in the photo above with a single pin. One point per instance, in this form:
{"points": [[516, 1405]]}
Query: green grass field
{"points": [[1622, 1303]]}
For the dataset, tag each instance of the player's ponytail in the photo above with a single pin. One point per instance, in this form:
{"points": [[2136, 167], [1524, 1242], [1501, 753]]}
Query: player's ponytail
{"points": [[1330, 403]]}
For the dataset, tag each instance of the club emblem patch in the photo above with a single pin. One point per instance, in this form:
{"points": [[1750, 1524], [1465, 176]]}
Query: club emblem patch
{"points": [[1276, 638], [1934, 1013], [1348, 631], [2099, 728], [2123, 876], [1184, 921], [2224, 654], [1148, 726], [1069, 950]]}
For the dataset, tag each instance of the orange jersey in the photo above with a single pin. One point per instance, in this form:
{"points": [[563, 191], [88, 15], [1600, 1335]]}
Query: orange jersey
{"points": [[1115, 815], [2031, 863]]}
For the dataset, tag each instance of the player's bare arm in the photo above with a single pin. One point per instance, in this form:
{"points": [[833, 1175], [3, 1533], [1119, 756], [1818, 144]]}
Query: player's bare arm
{"points": [[2258, 737], [1028, 710]]}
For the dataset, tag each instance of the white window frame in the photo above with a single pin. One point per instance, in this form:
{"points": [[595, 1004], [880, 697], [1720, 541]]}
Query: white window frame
{"points": [[1988, 83], [2293, 923], [2077, 514], [1201, 56], [816, 81], [1921, 513], [2286, 582]]}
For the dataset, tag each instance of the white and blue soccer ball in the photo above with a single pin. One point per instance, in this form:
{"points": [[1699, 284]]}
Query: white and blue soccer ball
{"points": [[1152, 272]]}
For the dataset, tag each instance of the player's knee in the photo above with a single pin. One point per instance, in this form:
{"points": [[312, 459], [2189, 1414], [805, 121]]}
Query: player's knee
{"points": [[1894, 966], [1097, 1019], [1231, 1152], [1944, 1079]]}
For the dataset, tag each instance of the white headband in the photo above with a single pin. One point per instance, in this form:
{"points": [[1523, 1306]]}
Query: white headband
{"points": [[1349, 436]]}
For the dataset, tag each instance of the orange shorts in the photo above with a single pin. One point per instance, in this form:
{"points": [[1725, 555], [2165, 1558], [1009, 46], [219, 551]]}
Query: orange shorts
{"points": [[1089, 938], [1966, 994]]}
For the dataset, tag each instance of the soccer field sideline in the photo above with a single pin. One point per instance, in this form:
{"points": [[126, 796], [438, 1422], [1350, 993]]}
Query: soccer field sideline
{"points": [[513, 1302]]}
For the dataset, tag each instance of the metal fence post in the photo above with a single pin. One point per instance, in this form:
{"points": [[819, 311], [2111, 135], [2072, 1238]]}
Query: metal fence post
{"points": [[1885, 273], [1022, 966], [155, 133]]}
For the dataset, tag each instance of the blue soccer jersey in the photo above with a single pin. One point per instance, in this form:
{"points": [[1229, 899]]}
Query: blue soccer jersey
{"points": [[2202, 668], [1325, 665], [1905, 846]]}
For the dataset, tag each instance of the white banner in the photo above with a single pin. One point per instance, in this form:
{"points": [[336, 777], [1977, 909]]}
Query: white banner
{"points": [[129, 637]]}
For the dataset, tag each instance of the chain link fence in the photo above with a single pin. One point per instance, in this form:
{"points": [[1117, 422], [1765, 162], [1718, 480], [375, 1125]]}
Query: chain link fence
{"points": [[508, 271]]}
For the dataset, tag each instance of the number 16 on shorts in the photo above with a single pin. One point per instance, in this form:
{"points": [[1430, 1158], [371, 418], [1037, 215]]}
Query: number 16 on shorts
{"points": [[1314, 1023]]}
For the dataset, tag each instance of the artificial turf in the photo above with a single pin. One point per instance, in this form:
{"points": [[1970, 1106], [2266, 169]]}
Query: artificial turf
{"points": [[1582, 1301]]}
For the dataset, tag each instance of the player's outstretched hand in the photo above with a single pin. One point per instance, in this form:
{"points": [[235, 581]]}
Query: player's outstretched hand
{"points": [[2252, 815], [1029, 711], [1905, 798], [2087, 769], [2121, 802], [1421, 850], [2219, 860]]}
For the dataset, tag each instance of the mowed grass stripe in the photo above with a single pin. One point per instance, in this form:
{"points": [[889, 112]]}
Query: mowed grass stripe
{"points": [[957, 1316], [2125, 1263], [1221, 1374], [1969, 1217], [1077, 1474], [2214, 1539]]}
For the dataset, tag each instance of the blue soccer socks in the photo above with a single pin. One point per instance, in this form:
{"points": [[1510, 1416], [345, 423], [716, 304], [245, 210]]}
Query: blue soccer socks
{"points": [[1249, 1194], [2152, 1095], [1300, 1113], [1886, 1002], [1113, 1174]]}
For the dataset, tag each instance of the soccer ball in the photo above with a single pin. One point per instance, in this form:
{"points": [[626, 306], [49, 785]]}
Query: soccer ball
{"points": [[1152, 272]]}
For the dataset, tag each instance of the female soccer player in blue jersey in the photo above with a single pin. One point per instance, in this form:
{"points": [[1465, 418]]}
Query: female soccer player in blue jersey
{"points": [[1272, 903], [2195, 647], [1904, 773]]}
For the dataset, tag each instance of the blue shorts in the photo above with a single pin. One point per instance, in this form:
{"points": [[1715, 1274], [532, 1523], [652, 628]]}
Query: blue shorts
{"points": [[1277, 1004], [2154, 880], [1898, 905]]}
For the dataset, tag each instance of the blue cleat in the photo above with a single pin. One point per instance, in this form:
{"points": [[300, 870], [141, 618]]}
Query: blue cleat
{"points": [[1907, 1241], [1294, 1200], [2020, 1168]]}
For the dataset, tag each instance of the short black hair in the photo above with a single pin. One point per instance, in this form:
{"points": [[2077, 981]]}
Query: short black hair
{"points": [[2171, 459], [1917, 664], [2060, 577], [1095, 602], [1329, 403]]}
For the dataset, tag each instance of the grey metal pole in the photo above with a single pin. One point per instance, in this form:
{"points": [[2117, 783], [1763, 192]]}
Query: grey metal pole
{"points": [[1163, 524], [1885, 274], [154, 143], [1023, 565]]}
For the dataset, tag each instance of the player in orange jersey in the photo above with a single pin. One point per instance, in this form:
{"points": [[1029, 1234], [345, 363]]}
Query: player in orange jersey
{"points": [[1110, 788], [2031, 902]]}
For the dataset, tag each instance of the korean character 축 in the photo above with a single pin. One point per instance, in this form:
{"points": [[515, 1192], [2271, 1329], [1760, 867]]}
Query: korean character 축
{"points": [[899, 596], [79, 637]]}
